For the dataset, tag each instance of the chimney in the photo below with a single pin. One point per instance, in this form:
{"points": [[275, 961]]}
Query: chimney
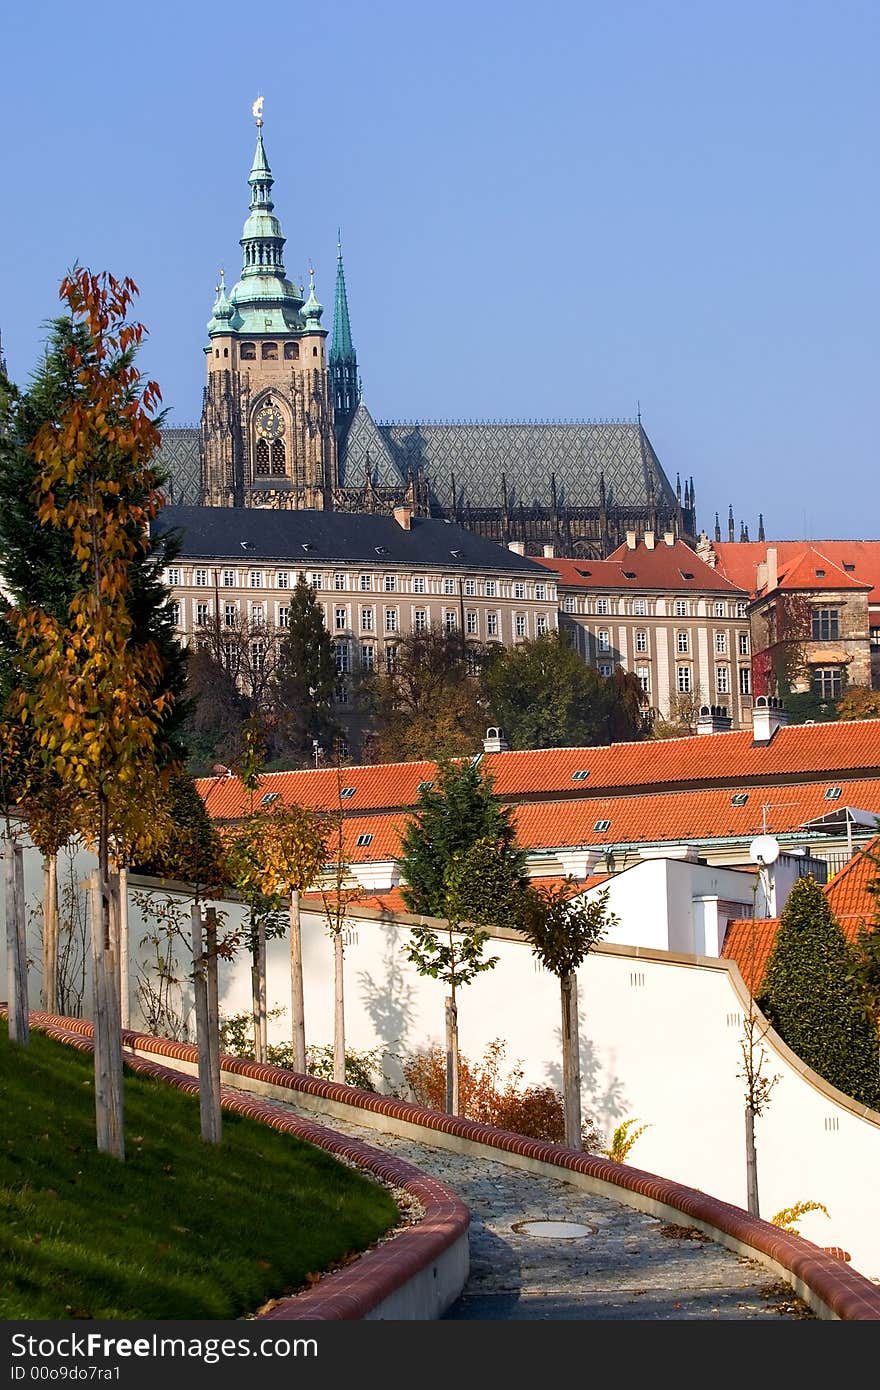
{"points": [[403, 516], [669, 537], [549, 551], [648, 538], [495, 742], [579, 863], [518, 547], [714, 719], [768, 715], [630, 540], [772, 571]]}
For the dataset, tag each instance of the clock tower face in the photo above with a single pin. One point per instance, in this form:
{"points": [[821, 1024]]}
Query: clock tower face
{"points": [[269, 421]]}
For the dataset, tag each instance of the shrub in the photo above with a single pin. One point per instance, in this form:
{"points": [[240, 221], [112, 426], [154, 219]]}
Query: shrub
{"points": [[534, 1111], [236, 1037], [812, 1001]]}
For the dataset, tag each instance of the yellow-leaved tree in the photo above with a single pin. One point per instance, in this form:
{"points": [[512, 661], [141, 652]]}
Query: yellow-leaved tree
{"points": [[99, 689]]}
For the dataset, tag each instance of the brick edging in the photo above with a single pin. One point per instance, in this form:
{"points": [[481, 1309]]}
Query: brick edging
{"points": [[840, 1290]]}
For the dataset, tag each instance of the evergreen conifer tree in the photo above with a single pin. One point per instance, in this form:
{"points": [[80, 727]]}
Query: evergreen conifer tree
{"points": [[449, 820], [809, 996], [306, 677]]}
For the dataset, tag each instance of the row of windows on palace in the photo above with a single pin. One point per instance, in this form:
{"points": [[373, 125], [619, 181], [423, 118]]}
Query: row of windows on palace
{"points": [[341, 580], [339, 620]]}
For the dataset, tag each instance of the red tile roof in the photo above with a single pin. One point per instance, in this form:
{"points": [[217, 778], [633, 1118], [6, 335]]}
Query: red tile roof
{"points": [[812, 570], [684, 816], [800, 753], [750, 943], [673, 566], [739, 560]]}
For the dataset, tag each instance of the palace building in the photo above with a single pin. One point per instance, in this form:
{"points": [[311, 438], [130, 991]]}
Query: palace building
{"points": [[284, 425]]}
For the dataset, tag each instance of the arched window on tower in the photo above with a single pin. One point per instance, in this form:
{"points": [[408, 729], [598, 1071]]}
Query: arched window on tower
{"points": [[248, 352], [279, 463], [262, 464], [270, 352], [291, 351]]}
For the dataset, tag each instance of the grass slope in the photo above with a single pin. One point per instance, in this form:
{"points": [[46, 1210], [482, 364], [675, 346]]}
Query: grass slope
{"points": [[181, 1229]]}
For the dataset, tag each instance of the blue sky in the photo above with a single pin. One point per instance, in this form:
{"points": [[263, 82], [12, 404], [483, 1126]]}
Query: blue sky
{"points": [[548, 211]]}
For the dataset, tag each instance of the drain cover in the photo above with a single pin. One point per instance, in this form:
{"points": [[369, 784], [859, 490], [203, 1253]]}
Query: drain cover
{"points": [[554, 1230]]}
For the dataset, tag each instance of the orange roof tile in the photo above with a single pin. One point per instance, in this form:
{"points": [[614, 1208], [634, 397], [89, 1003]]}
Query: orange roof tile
{"points": [[665, 567], [812, 570], [739, 560], [818, 752], [749, 943]]}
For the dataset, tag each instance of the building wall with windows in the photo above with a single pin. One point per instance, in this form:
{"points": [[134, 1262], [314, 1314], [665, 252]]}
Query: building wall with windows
{"points": [[657, 610], [821, 597], [376, 580]]}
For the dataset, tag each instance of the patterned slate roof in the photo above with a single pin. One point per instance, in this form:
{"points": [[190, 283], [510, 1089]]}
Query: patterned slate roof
{"points": [[527, 453], [179, 457], [750, 944], [477, 454]]}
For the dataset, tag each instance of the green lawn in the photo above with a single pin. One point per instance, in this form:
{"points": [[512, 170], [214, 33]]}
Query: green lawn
{"points": [[180, 1229]]}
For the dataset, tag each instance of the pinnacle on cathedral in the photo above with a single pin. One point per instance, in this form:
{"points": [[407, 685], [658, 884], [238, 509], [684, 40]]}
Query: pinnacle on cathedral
{"points": [[343, 359]]}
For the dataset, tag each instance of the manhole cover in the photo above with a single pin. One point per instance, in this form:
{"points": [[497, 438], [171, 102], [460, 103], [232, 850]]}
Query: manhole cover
{"points": [[554, 1230]]}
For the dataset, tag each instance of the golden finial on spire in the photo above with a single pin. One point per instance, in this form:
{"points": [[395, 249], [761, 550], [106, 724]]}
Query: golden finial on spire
{"points": [[257, 111]]}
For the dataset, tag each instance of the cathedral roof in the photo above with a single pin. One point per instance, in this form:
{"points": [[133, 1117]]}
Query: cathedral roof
{"points": [[578, 454]]}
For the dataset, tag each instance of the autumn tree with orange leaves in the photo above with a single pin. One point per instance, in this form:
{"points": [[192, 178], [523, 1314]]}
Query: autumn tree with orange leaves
{"points": [[97, 693]]}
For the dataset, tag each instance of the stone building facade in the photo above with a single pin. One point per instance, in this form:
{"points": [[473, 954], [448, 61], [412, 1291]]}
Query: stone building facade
{"points": [[657, 610]]}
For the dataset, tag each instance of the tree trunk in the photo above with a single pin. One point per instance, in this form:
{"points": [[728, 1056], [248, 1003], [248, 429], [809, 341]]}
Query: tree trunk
{"points": [[453, 1070], [258, 992], [209, 1117], [338, 1007], [107, 1033], [213, 1013], [50, 933], [297, 1003], [571, 1061], [751, 1165], [16, 945], [124, 1001]]}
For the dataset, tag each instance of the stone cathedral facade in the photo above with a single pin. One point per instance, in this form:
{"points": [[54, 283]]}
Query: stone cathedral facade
{"points": [[285, 425]]}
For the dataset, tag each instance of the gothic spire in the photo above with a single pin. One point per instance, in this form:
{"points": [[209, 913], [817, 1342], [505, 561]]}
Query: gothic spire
{"points": [[730, 525], [343, 358], [761, 536], [717, 528]]}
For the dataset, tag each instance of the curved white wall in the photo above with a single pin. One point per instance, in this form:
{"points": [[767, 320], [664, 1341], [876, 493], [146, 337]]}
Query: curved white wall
{"points": [[660, 1042]]}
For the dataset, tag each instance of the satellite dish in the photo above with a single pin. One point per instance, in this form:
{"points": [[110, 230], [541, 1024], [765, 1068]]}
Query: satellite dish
{"points": [[764, 850]]}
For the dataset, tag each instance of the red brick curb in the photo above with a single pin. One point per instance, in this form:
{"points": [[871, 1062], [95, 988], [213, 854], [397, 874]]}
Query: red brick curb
{"points": [[845, 1293]]}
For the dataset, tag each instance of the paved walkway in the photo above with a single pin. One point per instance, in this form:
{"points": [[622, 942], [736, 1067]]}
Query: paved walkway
{"points": [[628, 1266]]}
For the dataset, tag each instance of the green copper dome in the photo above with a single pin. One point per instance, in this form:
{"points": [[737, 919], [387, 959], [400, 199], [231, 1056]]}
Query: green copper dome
{"points": [[263, 300]]}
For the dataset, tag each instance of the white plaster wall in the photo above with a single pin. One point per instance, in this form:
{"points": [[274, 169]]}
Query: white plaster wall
{"points": [[660, 1042], [655, 907]]}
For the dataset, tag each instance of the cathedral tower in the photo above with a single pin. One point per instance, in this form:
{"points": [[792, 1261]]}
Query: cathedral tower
{"points": [[267, 437]]}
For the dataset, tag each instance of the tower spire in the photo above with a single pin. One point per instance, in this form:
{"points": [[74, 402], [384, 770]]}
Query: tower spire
{"points": [[343, 358]]}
